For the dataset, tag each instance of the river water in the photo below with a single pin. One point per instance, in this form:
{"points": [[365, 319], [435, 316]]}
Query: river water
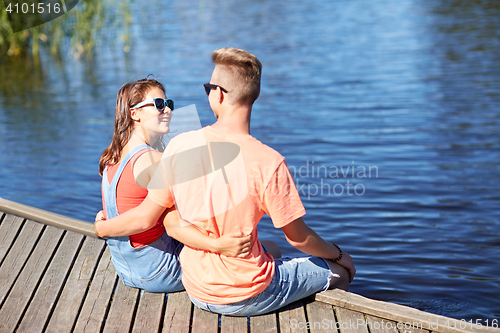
{"points": [[388, 113]]}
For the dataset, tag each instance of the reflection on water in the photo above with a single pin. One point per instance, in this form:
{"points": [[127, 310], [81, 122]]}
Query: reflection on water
{"points": [[407, 88]]}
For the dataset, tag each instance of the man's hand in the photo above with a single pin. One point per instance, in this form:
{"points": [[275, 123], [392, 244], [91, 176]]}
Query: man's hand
{"points": [[234, 244], [99, 217], [348, 264]]}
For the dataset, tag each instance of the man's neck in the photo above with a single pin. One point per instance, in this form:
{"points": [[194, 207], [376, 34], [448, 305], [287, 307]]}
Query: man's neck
{"points": [[235, 120]]}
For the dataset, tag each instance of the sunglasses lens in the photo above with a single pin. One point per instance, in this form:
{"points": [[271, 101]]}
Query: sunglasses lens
{"points": [[207, 90], [159, 104], [170, 104]]}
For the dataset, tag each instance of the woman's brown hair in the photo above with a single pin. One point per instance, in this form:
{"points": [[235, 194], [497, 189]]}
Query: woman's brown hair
{"points": [[130, 94]]}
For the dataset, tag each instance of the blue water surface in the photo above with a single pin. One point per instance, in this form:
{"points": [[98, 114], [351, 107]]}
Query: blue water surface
{"points": [[388, 113]]}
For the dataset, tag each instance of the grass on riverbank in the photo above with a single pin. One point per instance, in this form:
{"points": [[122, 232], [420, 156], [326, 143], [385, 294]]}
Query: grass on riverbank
{"points": [[76, 31]]}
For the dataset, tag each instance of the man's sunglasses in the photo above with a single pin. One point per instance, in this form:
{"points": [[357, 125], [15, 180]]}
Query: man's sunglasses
{"points": [[209, 86], [159, 104]]}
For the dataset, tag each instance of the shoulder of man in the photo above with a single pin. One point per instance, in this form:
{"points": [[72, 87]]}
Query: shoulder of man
{"points": [[267, 152], [185, 139], [186, 135]]}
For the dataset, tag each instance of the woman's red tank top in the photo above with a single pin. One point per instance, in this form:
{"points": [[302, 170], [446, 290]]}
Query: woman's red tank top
{"points": [[130, 195]]}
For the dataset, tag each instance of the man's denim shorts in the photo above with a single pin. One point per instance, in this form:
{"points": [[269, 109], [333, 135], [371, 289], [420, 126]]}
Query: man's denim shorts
{"points": [[294, 279]]}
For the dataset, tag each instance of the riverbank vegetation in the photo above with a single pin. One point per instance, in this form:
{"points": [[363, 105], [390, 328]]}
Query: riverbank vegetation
{"points": [[75, 32]]}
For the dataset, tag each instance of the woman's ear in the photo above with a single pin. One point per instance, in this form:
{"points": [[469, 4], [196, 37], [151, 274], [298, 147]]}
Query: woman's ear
{"points": [[134, 114]]}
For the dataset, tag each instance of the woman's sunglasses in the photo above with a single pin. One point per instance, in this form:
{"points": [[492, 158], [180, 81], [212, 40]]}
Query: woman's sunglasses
{"points": [[159, 104], [209, 86]]}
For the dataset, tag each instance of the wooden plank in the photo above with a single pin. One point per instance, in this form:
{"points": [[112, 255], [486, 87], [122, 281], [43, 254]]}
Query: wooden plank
{"points": [[17, 256], [351, 321], [395, 312], [149, 313], [122, 309], [20, 295], [266, 323], [46, 217], [50, 288], [292, 318], [8, 231], [320, 317], [66, 311], [380, 325], [95, 307], [233, 324], [177, 313], [204, 321]]}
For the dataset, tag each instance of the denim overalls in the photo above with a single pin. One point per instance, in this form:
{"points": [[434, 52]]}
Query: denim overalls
{"points": [[154, 267]]}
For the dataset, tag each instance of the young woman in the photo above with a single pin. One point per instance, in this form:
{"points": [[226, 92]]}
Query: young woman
{"points": [[148, 260]]}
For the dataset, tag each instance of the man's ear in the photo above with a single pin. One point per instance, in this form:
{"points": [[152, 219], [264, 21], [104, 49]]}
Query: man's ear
{"points": [[221, 95]]}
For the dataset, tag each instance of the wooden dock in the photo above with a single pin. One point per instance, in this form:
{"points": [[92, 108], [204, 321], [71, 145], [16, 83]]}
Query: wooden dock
{"points": [[56, 276]]}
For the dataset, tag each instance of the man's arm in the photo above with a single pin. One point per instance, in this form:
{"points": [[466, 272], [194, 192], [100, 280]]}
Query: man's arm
{"points": [[133, 221], [303, 238], [145, 216], [231, 245]]}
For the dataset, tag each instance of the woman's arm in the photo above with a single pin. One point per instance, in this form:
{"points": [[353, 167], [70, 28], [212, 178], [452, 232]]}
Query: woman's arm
{"points": [[231, 245]]}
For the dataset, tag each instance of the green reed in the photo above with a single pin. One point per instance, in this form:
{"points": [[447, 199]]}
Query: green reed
{"points": [[75, 32]]}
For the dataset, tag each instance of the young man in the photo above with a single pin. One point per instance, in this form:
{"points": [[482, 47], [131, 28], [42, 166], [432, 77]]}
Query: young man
{"points": [[255, 181]]}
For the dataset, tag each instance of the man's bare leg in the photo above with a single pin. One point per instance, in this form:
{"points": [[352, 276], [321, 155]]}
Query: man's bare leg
{"points": [[340, 277]]}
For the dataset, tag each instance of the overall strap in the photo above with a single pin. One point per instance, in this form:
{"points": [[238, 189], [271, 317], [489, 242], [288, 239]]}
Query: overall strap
{"points": [[109, 190], [124, 162]]}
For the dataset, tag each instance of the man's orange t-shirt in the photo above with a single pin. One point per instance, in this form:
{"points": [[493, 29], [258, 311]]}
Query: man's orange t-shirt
{"points": [[238, 180]]}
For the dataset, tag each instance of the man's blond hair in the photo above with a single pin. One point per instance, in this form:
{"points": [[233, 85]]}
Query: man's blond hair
{"points": [[239, 72]]}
